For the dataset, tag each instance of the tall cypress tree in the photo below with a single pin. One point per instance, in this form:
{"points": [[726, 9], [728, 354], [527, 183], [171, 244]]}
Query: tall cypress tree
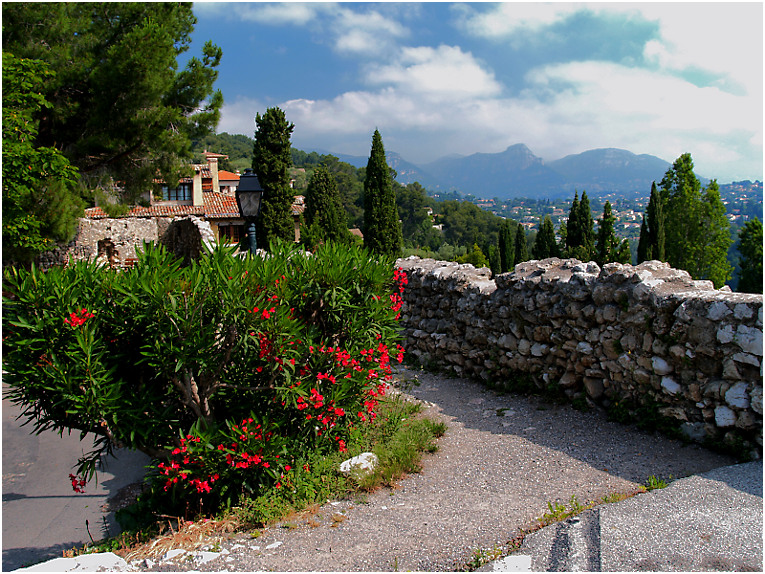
{"points": [[656, 233], [382, 229], [573, 227], [521, 250], [607, 244], [324, 215], [544, 244], [750, 246], [271, 160], [587, 230], [644, 249], [506, 247]]}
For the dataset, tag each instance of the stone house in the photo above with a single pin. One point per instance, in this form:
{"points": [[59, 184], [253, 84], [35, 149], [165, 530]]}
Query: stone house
{"points": [[207, 201]]}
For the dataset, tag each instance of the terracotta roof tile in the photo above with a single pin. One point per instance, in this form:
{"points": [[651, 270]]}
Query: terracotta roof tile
{"points": [[216, 206]]}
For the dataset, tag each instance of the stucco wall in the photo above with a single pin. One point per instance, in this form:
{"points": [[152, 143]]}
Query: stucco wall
{"points": [[617, 334]]}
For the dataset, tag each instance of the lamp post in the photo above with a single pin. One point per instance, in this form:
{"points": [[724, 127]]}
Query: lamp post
{"points": [[248, 196]]}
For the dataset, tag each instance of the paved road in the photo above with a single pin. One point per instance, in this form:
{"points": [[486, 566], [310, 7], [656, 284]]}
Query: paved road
{"points": [[707, 522], [42, 516]]}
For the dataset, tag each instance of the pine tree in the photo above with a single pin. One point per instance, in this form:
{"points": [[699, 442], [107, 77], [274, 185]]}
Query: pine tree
{"points": [[607, 243], [521, 249], [271, 160], [750, 246], [506, 247], [324, 215], [382, 229], [697, 230], [544, 244]]}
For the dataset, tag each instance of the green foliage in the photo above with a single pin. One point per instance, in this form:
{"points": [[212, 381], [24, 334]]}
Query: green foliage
{"points": [[580, 234], [324, 216], [41, 201], [521, 249], [176, 361], [750, 246], [654, 483], [506, 243], [545, 245], [271, 160], [476, 258], [382, 230], [697, 230], [120, 108]]}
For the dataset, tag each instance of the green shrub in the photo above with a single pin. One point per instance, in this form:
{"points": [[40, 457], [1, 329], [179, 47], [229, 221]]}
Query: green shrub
{"points": [[225, 371]]}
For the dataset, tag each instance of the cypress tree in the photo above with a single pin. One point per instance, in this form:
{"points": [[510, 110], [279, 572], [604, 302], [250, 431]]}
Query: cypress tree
{"points": [[656, 233], [271, 160], [750, 246], [607, 244], [573, 227], [521, 250], [382, 229], [587, 230], [506, 247], [545, 245], [644, 249], [324, 215]]}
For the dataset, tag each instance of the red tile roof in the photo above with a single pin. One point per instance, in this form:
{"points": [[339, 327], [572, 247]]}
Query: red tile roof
{"points": [[216, 206], [227, 175]]}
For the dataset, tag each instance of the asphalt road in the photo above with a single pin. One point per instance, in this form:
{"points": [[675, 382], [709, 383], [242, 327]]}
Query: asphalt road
{"points": [[42, 516], [707, 522]]}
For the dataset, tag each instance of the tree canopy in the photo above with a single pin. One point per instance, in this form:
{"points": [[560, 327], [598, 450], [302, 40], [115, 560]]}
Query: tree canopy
{"points": [[750, 246], [271, 159], [41, 199], [697, 230], [324, 215], [120, 109], [382, 230]]}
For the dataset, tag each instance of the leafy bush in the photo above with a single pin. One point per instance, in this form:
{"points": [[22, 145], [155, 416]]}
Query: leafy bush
{"points": [[224, 372]]}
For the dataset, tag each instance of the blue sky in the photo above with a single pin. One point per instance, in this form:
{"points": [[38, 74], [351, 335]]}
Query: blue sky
{"points": [[460, 78]]}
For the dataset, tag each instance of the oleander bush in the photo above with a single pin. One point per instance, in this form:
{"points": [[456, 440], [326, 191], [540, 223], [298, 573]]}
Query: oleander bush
{"points": [[226, 372]]}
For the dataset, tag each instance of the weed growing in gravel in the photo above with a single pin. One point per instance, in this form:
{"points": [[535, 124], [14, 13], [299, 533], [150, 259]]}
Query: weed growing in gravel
{"points": [[655, 482]]}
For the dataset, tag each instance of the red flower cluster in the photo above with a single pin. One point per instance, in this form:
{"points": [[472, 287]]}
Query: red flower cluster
{"points": [[399, 276], [78, 484], [76, 319]]}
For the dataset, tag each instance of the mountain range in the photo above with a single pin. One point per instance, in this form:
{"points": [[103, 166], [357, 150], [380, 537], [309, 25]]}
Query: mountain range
{"points": [[517, 172]]}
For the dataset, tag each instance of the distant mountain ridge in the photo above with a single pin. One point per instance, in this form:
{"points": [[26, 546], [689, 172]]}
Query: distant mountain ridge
{"points": [[518, 172]]}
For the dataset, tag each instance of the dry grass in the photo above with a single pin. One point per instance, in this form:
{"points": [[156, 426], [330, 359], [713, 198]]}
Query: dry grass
{"points": [[181, 534]]}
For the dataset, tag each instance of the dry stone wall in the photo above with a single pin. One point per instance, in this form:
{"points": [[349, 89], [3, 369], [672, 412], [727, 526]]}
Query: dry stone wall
{"points": [[116, 239], [617, 335]]}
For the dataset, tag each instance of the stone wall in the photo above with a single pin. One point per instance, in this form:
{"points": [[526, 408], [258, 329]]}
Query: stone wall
{"points": [[116, 239], [620, 334]]}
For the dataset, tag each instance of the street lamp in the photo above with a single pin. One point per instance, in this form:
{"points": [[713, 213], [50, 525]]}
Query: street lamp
{"points": [[248, 196]]}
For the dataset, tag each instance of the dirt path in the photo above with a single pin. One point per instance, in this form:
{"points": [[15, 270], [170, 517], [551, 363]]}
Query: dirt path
{"points": [[501, 461]]}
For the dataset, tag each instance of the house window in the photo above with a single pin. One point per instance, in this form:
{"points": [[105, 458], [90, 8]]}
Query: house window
{"points": [[231, 233], [180, 193]]}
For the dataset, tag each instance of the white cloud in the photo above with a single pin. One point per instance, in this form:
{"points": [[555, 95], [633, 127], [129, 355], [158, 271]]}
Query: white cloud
{"points": [[368, 33], [700, 90], [443, 73]]}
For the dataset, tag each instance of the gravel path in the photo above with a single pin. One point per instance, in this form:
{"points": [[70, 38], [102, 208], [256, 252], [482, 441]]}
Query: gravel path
{"points": [[502, 459]]}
